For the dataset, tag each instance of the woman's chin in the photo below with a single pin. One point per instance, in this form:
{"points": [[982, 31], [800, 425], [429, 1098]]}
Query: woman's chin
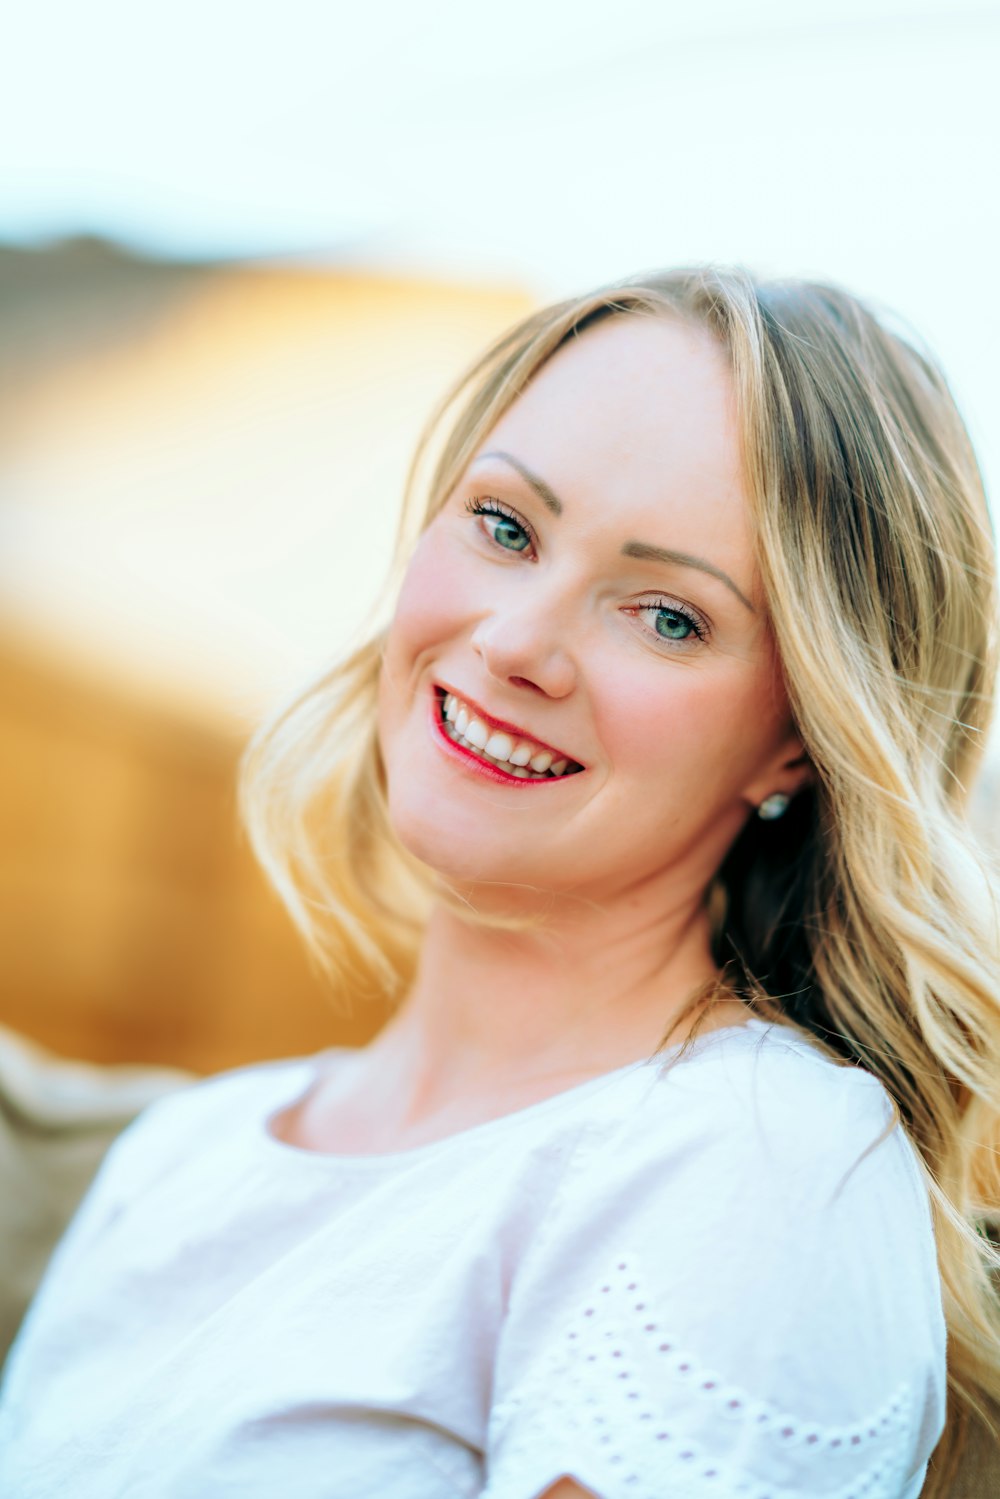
{"points": [[465, 862], [454, 861]]}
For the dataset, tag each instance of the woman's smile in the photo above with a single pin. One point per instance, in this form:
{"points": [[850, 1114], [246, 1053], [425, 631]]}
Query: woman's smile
{"points": [[492, 744]]}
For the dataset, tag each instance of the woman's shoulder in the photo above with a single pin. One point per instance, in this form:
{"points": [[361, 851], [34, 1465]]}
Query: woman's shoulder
{"points": [[760, 1050], [204, 1112], [767, 1084], [757, 1115]]}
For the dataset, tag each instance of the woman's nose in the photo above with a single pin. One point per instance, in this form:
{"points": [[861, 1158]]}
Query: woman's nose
{"points": [[524, 648]]}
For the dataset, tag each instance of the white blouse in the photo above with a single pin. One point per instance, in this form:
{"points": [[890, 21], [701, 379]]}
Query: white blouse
{"points": [[703, 1281]]}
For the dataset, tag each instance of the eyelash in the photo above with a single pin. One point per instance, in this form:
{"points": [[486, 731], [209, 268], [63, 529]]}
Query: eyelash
{"points": [[488, 505]]}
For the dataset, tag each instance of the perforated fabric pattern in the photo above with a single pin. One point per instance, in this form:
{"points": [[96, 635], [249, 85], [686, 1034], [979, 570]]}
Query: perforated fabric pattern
{"points": [[629, 1412]]}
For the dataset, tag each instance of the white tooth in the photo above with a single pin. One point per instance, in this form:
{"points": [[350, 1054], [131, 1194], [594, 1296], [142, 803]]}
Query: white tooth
{"points": [[477, 733], [450, 708], [499, 745], [521, 753], [462, 719], [558, 766], [519, 771], [541, 761]]}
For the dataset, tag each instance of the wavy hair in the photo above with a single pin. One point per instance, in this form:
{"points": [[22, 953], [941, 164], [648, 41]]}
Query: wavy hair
{"points": [[867, 915]]}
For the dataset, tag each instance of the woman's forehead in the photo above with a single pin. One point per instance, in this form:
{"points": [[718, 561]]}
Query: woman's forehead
{"points": [[635, 418], [652, 392]]}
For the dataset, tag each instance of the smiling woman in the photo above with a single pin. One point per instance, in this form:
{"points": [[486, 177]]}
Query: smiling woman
{"points": [[671, 1174]]}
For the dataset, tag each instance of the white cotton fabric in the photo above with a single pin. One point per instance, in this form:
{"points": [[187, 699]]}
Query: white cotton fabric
{"points": [[713, 1280]]}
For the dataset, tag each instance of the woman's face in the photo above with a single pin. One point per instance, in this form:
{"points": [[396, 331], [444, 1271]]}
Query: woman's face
{"points": [[589, 590]]}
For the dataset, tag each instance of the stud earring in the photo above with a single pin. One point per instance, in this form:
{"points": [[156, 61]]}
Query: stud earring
{"points": [[775, 805]]}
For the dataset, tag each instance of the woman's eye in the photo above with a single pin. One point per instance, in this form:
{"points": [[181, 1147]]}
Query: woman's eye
{"points": [[509, 534], [672, 625], [502, 526]]}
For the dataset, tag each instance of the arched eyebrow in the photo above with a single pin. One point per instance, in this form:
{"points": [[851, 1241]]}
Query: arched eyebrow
{"points": [[550, 500], [648, 553], [643, 550]]}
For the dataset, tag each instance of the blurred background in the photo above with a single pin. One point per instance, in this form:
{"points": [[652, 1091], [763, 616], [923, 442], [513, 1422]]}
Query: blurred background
{"points": [[243, 250]]}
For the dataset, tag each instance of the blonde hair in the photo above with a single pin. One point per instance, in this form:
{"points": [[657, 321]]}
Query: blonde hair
{"points": [[867, 915]]}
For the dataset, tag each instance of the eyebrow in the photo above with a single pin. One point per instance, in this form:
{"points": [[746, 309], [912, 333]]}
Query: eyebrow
{"points": [[643, 550], [647, 553], [544, 493]]}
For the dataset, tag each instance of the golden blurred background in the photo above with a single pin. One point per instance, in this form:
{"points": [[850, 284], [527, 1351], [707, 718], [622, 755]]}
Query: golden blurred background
{"points": [[200, 470]]}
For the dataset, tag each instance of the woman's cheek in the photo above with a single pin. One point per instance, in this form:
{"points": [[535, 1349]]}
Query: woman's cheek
{"points": [[430, 604], [653, 713]]}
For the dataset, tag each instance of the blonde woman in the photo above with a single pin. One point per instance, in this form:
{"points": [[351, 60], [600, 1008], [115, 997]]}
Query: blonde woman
{"points": [[669, 1177]]}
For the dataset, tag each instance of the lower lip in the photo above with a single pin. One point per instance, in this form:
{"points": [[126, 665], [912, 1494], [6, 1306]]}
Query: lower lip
{"points": [[482, 767]]}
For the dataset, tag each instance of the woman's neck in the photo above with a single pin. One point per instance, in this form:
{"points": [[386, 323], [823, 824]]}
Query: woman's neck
{"points": [[495, 1010]]}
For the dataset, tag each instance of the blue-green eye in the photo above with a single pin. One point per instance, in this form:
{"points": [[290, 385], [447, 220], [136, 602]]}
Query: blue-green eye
{"points": [[672, 625], [504, 528], [510, 535]]}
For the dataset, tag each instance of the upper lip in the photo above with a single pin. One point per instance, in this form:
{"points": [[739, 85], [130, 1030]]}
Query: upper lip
{"points": [[508, 728]]}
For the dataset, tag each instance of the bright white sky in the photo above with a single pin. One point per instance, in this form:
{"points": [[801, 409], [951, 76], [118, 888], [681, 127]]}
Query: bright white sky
{"points": [[485, 133]]}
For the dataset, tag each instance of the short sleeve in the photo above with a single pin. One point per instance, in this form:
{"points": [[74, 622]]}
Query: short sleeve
{"points": [[735, 1294]]}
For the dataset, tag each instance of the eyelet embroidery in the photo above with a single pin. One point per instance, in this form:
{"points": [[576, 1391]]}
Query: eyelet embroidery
{"points": [[605, 1361]]}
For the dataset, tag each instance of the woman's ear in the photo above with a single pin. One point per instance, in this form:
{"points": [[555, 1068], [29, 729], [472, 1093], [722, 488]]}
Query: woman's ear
{"points": [[788, 771]]}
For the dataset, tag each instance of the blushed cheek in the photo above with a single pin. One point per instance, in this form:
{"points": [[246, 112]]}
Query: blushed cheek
{"points": [[683, 727], [655, 720], [425, 613]]}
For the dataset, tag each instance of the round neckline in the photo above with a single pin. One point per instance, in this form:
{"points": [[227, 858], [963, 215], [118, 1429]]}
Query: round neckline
{"points": [[474, 1132]]}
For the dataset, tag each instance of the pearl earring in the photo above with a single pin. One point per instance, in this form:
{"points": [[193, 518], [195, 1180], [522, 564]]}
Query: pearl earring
{"points": [[775, 805]]}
